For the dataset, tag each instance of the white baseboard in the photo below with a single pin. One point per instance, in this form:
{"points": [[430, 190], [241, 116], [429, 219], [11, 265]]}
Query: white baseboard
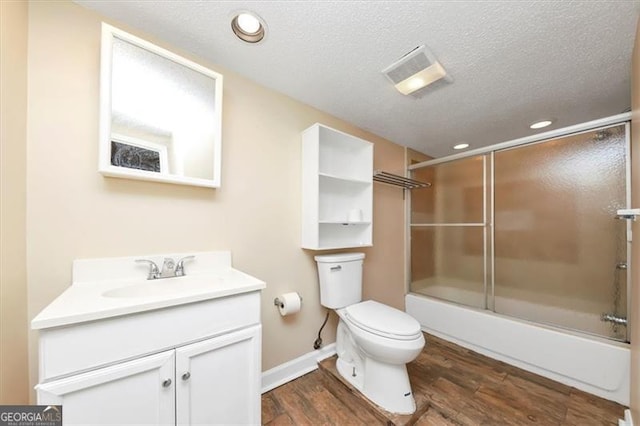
{"points": [[628, 420], [290, 370]]}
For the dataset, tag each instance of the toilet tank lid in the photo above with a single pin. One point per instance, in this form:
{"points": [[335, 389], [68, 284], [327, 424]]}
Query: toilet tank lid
{"points": [[339, 257]]}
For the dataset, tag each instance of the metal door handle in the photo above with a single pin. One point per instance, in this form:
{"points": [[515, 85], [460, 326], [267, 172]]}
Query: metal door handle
{"points": [[186, 376], [166, 383]]}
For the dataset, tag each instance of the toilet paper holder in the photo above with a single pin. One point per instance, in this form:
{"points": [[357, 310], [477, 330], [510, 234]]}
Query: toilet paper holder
{"points": [[279, 304]]}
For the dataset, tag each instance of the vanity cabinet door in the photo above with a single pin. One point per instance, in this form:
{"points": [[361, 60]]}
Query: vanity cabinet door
{"points": [[218, 380], [135, 392]]}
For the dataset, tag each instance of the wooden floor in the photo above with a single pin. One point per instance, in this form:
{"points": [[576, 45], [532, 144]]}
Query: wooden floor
{"points": [[463, 388]]}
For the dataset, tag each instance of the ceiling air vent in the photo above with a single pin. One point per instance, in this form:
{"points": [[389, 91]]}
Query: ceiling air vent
{"points": [[416, 71]]}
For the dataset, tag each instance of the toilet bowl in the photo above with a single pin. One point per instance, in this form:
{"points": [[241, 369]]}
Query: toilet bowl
{"points": [[374, 341], [372, 353], [379, 338]]}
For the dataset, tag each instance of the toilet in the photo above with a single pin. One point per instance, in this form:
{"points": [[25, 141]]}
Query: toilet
{"points": [[374, 342]]}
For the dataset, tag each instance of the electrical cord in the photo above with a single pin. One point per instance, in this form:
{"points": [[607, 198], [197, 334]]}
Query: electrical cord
{"points": [[318, 343]]}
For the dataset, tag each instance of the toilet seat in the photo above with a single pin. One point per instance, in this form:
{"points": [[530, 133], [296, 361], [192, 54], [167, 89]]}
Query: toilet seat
{"points": [[383, 320]]}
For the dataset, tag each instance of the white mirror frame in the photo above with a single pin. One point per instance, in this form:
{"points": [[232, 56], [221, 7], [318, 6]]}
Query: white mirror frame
{"points": [[104, 161]]}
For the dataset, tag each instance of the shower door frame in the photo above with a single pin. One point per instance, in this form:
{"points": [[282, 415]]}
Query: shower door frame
{"points": [[489, 207]]}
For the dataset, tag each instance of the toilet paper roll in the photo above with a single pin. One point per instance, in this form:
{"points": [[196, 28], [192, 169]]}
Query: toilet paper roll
{"points": [[289, 303]]}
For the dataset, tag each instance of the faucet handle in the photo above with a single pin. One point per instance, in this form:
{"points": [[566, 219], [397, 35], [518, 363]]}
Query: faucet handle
{"points": [[154, 272], [180, 265]]}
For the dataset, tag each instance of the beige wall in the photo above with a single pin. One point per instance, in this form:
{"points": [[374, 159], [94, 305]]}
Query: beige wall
{"points": [[635, 202], [74, 212], [13, 280]]}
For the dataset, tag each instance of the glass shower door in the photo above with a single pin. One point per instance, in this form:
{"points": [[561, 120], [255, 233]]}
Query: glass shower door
{"points": [[560, 253], [448, 232]]}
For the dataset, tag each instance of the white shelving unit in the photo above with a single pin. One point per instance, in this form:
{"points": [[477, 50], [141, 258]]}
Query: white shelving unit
{"points": [[337, 178]]}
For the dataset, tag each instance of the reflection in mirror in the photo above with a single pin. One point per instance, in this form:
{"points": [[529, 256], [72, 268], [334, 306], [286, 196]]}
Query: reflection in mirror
{"points": [[161, 114]]}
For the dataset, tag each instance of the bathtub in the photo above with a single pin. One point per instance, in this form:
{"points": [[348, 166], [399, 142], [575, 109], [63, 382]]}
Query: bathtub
{"points": [[594, 365]]}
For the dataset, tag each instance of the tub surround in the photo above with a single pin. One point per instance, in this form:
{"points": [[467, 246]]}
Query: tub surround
{"points": [[110, 287]]}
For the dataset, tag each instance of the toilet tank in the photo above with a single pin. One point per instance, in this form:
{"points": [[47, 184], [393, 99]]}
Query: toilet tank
{"points": [[340, 277]]}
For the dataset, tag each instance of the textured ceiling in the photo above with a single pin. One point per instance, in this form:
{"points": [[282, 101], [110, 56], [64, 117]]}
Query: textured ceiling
{"points": [[512, 62]]}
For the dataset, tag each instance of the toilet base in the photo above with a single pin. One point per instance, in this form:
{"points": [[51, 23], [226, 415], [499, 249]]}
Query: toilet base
{"points": [[387, 385]]}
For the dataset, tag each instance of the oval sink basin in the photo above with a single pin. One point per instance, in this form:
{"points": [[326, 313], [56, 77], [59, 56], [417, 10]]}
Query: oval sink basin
{"points": [[164, 287]]}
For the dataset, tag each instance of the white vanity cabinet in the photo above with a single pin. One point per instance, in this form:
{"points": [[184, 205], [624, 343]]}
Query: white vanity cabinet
{"points": [[337, 189], [189, 359], [117, 348], [215, 381]]}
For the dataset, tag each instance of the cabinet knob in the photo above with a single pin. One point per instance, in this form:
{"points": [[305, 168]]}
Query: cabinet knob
{"points": [[166, 383], [186, 376]]}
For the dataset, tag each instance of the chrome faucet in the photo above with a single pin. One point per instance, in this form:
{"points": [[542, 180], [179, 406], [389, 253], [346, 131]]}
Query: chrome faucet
{"points": [[154, 272], [180, 266], [169, 268]]}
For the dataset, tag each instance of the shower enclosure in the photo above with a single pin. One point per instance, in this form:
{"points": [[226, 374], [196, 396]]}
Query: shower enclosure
{"points": [[529, 231]]}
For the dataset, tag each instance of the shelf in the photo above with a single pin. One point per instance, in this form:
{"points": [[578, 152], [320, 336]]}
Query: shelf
{"points": [[345, 179], [338, 235], [339, 247], [337, 222]]}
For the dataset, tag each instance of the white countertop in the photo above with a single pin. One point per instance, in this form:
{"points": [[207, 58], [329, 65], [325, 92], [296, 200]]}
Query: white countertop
{"points": [[90, 298]]}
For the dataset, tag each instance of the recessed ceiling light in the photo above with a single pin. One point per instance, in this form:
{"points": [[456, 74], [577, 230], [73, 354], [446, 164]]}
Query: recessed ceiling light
{"points": [[461, 146], [248, 23], [248, 27], [540, 124]]}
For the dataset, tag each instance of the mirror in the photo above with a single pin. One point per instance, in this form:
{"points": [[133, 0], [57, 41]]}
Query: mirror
{"points": [[160, 114]]}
